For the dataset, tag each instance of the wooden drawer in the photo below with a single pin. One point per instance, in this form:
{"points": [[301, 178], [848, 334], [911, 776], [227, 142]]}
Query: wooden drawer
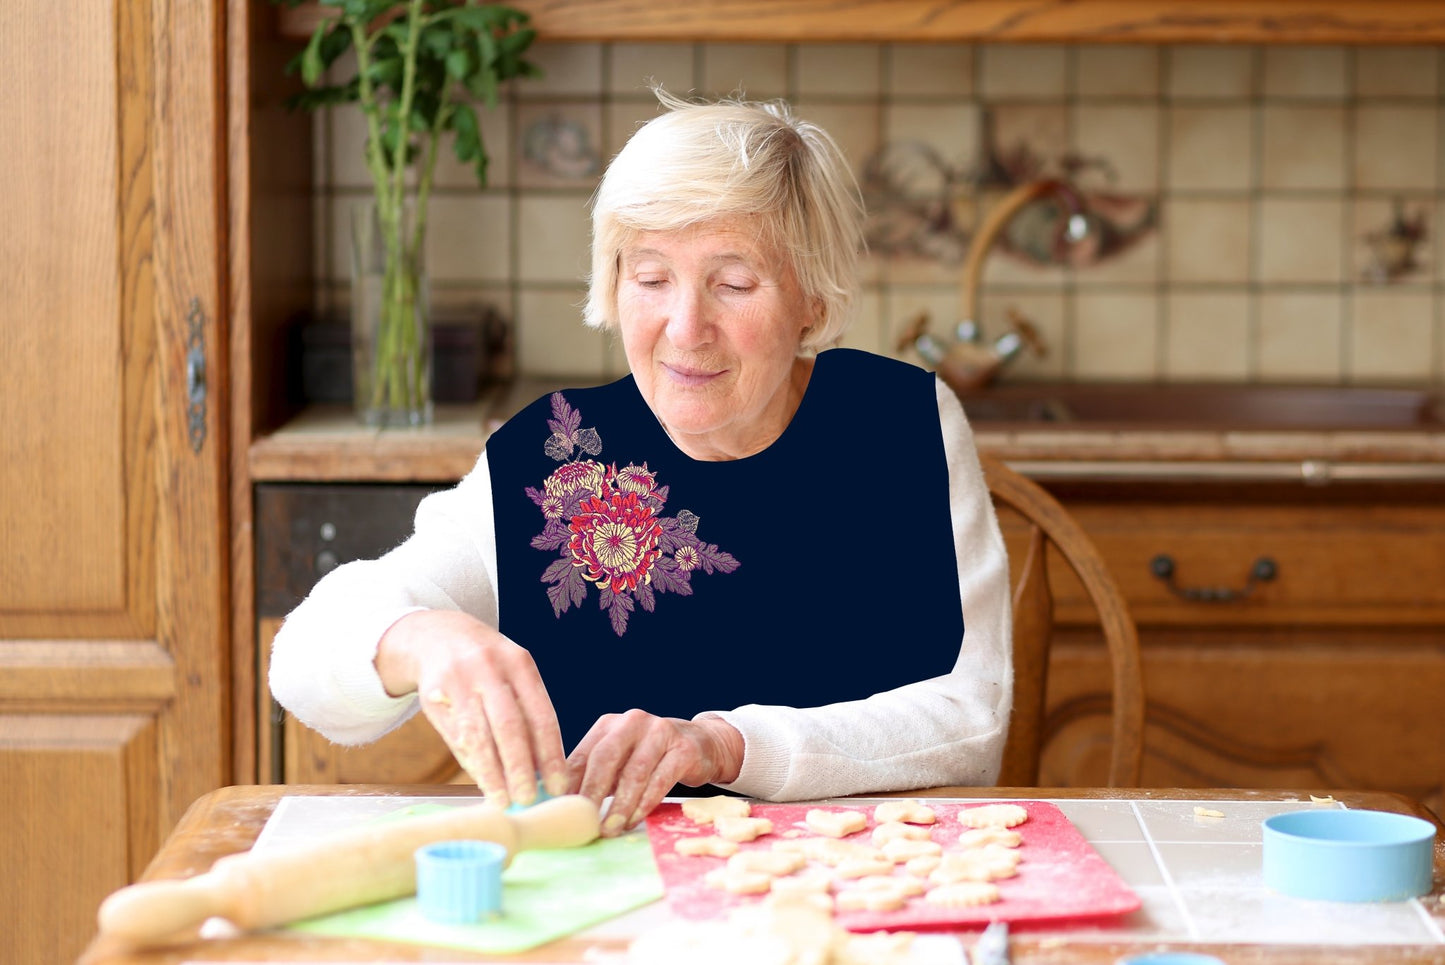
{"points": [[1348, 564]]}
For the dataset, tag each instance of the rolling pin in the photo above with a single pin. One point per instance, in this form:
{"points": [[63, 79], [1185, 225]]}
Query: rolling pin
{"points": [[354, 867]]}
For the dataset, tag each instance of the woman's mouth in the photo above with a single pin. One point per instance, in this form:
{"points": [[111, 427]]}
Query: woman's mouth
{"points": [[688, 375]]}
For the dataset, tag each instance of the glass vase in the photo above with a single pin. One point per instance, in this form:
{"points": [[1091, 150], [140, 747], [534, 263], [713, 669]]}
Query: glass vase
{"points": [[390, 326]]}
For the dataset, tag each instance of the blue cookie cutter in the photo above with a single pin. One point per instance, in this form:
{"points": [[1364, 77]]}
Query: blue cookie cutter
{"points": [[459, 882], [1348, 855]]}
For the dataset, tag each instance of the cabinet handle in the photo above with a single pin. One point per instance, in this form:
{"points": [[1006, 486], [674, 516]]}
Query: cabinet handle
{"points": [[196, 375], [1263, 570]]}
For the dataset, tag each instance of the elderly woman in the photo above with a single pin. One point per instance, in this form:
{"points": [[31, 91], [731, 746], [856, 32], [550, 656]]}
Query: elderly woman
{"points": [[751, 563]]}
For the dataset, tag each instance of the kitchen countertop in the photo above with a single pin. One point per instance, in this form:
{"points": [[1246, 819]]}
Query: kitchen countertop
{"points": [[326, 444]]}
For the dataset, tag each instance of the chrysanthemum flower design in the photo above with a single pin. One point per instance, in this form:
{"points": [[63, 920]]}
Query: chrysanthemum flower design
{"points": [[607, 525]]}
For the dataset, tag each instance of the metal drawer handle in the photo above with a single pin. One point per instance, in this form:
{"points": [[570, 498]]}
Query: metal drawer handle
{"points": [[1263, 570]]}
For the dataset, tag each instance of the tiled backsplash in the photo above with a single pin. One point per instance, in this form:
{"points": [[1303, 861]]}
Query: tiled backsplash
{"points": [[1276, 206]]}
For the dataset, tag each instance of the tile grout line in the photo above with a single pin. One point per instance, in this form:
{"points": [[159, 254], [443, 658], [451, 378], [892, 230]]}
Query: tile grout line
{"points": [[1190, 926]]}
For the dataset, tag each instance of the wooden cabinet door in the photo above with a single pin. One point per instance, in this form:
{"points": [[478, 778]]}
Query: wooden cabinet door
{"points": [[113, 560]]}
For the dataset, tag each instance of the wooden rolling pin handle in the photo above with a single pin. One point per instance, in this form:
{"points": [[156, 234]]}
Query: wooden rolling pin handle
{"points": [[353, 867]]}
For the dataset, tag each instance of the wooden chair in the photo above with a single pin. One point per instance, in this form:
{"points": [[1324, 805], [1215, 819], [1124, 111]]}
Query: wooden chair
{"points": [[1049, 524]]}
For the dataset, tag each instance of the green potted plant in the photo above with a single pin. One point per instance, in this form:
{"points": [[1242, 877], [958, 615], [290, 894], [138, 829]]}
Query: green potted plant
{"points": [[420, 65]]}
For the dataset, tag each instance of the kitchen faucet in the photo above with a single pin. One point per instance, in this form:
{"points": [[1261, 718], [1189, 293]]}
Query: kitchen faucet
{"points": [[966, 363]]}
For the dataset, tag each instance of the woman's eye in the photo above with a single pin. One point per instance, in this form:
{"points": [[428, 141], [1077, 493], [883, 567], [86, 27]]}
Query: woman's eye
{"points": [[651, 282], [737, 288]]}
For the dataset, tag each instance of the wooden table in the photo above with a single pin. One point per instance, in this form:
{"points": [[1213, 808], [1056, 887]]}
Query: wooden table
{"points": [[230, 819]]}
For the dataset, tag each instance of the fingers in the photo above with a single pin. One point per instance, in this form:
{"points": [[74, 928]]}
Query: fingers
{"points": [[635, 757]]}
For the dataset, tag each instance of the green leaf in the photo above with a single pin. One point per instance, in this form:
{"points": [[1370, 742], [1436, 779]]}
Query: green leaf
{"points": [[459, 63], [311, 65], [467, 133]]}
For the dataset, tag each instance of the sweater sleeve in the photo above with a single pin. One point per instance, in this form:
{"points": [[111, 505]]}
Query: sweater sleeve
{"points": [[322, 659], [947, 730]]}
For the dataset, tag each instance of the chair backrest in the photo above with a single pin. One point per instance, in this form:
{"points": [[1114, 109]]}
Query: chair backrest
{"points": [[1033, 615]]}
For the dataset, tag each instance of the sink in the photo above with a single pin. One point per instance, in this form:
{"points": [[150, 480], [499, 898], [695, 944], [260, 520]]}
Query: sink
{"points": [[1208, 406]]}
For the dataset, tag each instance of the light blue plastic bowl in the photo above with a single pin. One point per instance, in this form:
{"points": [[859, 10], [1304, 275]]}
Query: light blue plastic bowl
{"points": [[1348, 855], [459, 882]]}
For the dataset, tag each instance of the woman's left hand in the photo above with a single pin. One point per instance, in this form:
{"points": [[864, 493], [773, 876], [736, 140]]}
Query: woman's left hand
{"points": [[637, 758]]}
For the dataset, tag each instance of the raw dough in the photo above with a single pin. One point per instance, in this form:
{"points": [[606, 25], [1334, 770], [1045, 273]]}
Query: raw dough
{"points": [[829, 851], [981, 837], [922, 865], [738, 882], [903, 849], [893, 830], [963, 894], [741, 829], [835, 824], [907, 812], [775, 863], [1200, 812], [975, 864], [993, 816], [709, 846], [705, 810], [863, 867], [908, 885], [871, 899]]}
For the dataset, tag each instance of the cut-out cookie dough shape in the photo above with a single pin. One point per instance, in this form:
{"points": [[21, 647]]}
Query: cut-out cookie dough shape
{"points": [[709, 846], [738, 882], [741, 829], [993, 816], [706, 810], [976, 864], [774, 863], [835, 824], [963, 894], [983, 837], [902, 849], [905, 812], [896, 830], [829, 851], [863, 867]]}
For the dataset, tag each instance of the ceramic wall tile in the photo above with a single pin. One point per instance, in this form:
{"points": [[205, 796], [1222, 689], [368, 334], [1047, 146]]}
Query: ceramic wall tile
{"points": [[1299, 336], [1300, 240], [1116, 336], [559, 144], [856, 127], [929, 70], [496, 125], [567, 70], [1305, 73], [551, 339], [1210, 73], [901, 306], [1210, 148], [621, 119], [1140, 264], [1397, 72], [1047, 312], [1394, 239], [1303, 147], [1022, 71], [1125, 139], [1208, 240], [758, 71], [1392, 336], [1396, 147], [632, 69], [552, 236], [469, 238], [1207, 336], [1116, 70], [866, 330], [838, 70]]}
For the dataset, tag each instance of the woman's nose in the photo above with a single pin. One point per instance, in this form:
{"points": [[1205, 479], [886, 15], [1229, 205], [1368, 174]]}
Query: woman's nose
{"points": [[688, 324]]}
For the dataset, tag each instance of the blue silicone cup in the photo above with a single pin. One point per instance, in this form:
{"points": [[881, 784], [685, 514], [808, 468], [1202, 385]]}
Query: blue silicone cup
{"points": [[1348, 855], [459, 882]]}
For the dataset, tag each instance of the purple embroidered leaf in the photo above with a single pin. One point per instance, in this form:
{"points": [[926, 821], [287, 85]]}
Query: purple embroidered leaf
{"points": [[565, 419], [535, 495], [621, 606], [660, 494], [646, 597], [558, 570], [577, 586], [570, 590], [688, 521], [553, 536], [589, 441], [558, 446], [668, 577], [711, 558]]}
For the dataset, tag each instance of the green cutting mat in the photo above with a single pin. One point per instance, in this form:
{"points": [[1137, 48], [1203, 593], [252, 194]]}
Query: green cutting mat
{"points": [[546, 895]]}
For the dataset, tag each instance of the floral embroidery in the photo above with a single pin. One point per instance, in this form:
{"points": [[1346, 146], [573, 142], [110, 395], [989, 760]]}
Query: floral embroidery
{"points": [[607, 525]]}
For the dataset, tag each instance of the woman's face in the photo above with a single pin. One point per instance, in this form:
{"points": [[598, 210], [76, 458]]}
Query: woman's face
{"points": [[711, 320]]}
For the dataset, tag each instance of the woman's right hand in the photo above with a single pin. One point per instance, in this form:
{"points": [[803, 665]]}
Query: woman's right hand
{"points": [[484, 696]]}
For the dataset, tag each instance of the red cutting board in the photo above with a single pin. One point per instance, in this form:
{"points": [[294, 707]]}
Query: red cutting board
{"points": [[1060, 875]]}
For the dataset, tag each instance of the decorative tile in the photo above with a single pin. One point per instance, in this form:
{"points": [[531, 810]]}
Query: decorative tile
{"points": [[622, 119], [1207, 336], [559, 145], [469, 238], [551, 339], [1393, 239], [759, 71], [1124, 139], [1303, 147], [552, 238], [1395, 147], [1300, 240], [1391, 336], [1014, 71], [1299, 336], [1046, 312], [1311, 73], [632, 69], [855, 128], [1208, 241], [1210, 148], [1116, 335], [838, 70], [1396, 71], [1198, 72], [930, 70], [567, 69], [1116, 70], [1139, 264]]}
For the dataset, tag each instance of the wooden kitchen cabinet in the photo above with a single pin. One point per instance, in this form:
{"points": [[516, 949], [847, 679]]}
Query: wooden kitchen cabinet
{"points": [[126, 277], [1330, 675]]}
